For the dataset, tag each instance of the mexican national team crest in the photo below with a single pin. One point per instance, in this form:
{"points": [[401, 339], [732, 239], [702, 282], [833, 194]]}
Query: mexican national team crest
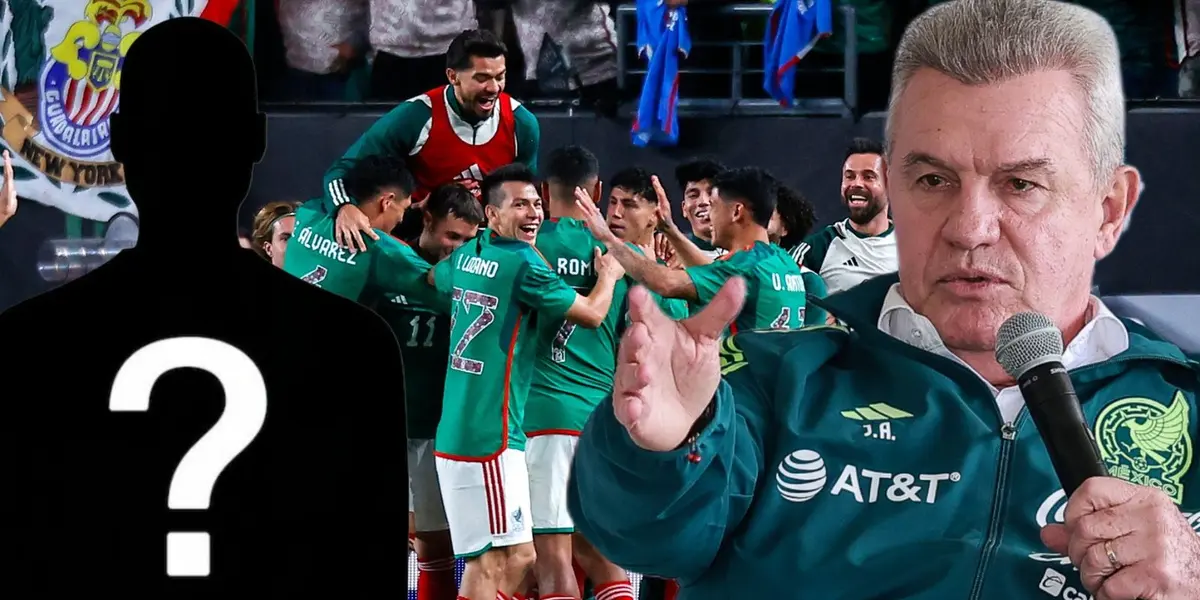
{"points": [[81, 81], [1146, 443]]}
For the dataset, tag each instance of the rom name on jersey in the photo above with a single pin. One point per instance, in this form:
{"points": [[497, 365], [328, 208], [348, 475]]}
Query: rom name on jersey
{"points": [[325, 247]]}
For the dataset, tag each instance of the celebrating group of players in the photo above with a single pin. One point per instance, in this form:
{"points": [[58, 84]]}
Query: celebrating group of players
{"points": [[509, 321]]}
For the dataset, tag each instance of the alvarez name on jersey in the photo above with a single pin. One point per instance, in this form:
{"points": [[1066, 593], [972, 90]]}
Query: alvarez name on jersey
{"points": [[388, 267], [844, 258]]}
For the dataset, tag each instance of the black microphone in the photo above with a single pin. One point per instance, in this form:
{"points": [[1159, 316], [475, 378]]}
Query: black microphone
{"points": [[1029, 348]]}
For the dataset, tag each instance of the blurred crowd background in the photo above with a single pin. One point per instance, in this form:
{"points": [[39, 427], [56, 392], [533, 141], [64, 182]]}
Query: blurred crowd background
{"points": [[581, 53]]}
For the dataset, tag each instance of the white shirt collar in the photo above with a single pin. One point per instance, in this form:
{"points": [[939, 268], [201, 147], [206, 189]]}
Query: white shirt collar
{"points": [[1102, 337]]}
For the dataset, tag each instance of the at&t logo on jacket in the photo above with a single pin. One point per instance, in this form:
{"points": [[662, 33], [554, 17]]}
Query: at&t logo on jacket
{"points": [[803, 475]]}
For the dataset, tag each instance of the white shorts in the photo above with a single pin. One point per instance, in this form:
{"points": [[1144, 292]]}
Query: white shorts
{"points": [[424, 493], [549, 459], [487, 503]]}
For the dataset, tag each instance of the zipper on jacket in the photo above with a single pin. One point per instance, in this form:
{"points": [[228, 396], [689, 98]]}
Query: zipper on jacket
{"points": [[1008, 435]]}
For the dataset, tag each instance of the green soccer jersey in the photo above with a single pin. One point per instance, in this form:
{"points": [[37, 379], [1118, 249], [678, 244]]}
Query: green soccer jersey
{"points": [[775, 296], [814, 287], [870, 468], [676, 308], [500, 289], [422, 326], [575, 365], [389, 266]]}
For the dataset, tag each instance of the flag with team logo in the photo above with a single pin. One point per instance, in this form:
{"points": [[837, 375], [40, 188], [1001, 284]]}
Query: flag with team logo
{"points": [[60, 66]]}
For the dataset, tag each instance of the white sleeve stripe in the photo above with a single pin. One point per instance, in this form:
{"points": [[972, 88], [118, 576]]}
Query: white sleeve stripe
{"points": [[799, 251], [337, 191]]}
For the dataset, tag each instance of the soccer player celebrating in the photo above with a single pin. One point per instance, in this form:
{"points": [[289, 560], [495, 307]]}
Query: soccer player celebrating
{"points": [[633, 215], [696, 180], [274, 224], [791, 223], [456, 132], [452, 216], [854, 250], [391, 268], [742, 204], [573, 374], [500, 287]]}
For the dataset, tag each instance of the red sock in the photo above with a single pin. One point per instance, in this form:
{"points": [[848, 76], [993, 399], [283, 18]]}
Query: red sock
{"points": [[580, 578], [501, 596], [435, 580], [616, 590], [672, 590], [559, 597]]}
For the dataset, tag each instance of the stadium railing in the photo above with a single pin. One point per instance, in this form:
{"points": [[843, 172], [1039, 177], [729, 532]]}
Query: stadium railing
{"points": [[631, 70]]}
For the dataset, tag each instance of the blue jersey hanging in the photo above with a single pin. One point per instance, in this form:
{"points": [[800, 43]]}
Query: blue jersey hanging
{"points": [[662, 39], [794, 27]]}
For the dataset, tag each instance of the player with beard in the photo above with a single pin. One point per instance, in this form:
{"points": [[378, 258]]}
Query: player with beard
{"points": [[456, 132], [863, 246], [500, 288], [695, 179], [452, 216], [792, 222]]}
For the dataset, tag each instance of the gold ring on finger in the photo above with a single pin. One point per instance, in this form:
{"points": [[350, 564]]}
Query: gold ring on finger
{"points": [[1112, 556]]}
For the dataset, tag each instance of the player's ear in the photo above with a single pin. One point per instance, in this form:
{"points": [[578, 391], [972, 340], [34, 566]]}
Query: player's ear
{"points": [[545, 190], [596, 191], [267, 249], [427, 219], [452, 76], [490, 213]]}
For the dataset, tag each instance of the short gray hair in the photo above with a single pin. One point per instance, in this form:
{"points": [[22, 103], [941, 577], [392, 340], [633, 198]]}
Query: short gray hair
{"points": [[979, 42]]}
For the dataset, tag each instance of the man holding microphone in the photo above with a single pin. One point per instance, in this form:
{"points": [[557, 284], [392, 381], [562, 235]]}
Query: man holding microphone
{"points": [[896, 458]]}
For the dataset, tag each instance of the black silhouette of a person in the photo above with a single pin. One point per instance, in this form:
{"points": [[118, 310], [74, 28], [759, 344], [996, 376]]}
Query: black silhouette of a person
{"points": [[314, 507]]}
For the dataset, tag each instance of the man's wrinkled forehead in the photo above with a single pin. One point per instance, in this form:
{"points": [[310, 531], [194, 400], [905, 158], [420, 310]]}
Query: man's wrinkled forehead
{"points": [[1030, 122]]}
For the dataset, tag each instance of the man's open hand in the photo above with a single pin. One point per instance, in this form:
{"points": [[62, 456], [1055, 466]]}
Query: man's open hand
{"points": [[667, 370]]}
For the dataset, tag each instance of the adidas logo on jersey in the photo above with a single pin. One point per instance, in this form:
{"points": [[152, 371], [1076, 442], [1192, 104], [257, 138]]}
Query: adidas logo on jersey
{"points": [[853, 262], [472, 172]]}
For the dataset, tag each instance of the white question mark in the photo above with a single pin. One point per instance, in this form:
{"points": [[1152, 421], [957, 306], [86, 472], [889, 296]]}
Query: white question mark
{"points": [[188, 553]]}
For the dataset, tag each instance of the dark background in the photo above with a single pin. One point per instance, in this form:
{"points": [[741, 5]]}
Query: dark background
{"points": [[1157, 255]]}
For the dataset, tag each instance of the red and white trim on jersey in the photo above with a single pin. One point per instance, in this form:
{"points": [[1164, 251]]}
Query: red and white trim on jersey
{"points": [[493, 485], [617, 590], [505, 406]]}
